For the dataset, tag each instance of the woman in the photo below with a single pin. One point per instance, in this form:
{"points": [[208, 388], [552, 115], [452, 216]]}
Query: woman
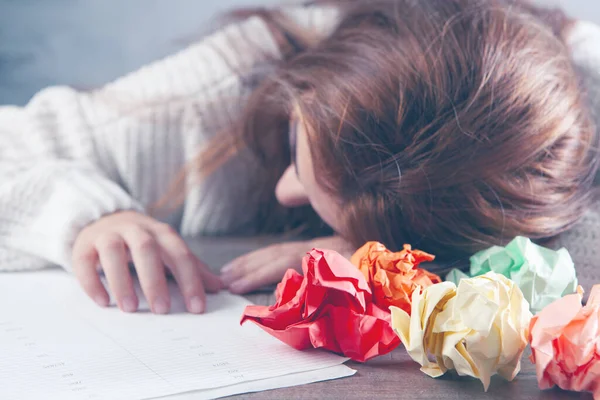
{"points": [[448, 124]]}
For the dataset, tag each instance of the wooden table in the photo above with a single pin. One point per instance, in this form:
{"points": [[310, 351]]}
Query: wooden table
{"points": [[392, 376]]}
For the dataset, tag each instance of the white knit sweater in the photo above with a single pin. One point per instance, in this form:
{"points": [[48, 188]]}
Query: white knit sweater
{"points": [[69, 157]]}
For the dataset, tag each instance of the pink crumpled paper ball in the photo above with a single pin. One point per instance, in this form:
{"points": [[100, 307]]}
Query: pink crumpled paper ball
{"points": [[565, 343]]}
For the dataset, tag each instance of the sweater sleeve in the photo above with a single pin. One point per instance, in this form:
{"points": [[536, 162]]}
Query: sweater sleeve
{"points": [[320, 19], [583, 41], [69, 157]]}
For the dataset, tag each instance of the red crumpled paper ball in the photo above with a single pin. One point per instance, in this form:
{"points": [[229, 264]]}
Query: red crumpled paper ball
{"points": [[330, 307], [394, 276]]}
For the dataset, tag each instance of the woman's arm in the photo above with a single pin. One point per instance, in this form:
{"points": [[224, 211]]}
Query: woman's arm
{"points": [[320, 19], [69, 157], [583, 39]]}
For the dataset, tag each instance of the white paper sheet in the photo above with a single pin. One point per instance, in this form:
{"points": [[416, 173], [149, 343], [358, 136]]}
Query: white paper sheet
{"points": [[57, 344], [301, 378]]}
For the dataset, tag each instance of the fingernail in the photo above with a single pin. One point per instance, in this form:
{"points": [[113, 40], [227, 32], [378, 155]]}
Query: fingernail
{"points": [[161, 306], [129, 304], [102, 301], [226, 268], [196, 305]]}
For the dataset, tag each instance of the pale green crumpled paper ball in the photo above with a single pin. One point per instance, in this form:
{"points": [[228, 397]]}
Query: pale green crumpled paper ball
{"points": [[542, 274]]}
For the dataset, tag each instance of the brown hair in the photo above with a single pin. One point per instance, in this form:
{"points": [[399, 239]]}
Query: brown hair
{"points": [[448, 124]]}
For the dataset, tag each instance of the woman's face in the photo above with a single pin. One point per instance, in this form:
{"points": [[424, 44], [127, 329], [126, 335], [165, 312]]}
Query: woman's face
{"points": [[298, 184]]}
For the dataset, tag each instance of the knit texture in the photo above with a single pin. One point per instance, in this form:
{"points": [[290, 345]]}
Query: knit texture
{"points": [[70, 157], [583, 241]]}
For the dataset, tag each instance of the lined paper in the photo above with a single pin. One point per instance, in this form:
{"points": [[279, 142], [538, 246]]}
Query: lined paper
{"points": [[55, 343]]}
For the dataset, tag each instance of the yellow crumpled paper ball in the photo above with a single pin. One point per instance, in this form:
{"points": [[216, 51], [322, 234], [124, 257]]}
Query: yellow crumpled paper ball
{"points": [[478, 328]]}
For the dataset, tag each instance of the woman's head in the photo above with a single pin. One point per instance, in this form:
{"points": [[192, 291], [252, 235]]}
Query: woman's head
{"points": [[447, 124]]}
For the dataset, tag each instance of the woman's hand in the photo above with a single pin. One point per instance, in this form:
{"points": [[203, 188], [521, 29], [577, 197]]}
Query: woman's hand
{"points": [[115, 240], [268, 265]]}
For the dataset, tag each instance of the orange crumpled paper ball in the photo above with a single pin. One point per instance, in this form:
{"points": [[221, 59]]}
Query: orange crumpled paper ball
{"points": [[330, 307], [394, 276], [565, 343]]}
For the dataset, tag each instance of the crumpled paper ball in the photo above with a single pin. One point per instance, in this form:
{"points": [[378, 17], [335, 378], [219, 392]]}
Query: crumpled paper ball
{"points": [[542, 274], [565, 344], [330, 307], [478, 328], [393, 277]]}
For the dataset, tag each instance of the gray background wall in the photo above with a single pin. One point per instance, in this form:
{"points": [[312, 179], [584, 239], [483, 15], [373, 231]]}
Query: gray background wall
{"points": [[85, 43]]}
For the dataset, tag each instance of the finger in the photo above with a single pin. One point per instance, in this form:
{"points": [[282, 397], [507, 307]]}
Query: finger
{"points": [[258, 276], [85, 262], [147, 260], [236, 269], [182, 264], [211, 282], [113, 258]]}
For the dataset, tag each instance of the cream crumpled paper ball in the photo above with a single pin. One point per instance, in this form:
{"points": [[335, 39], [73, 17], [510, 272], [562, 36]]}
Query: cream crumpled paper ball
{"points": [[478, 328]]}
